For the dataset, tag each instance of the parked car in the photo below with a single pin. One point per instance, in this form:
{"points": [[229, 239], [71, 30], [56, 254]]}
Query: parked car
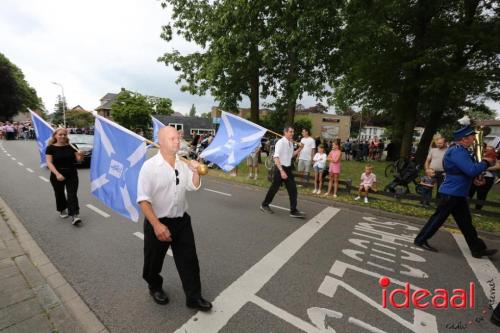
{"points": [[85, 143]]}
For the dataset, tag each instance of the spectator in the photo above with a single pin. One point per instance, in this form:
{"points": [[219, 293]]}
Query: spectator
{"points": [[483, 184], [253, 163], [427, 182], [306, 153], [368, 182], [319, 160], [347, 150], [435, 161], [334, 169]]}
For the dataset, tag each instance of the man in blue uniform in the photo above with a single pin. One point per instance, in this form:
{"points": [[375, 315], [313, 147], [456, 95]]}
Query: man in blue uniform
{"points": [[461, 169]]}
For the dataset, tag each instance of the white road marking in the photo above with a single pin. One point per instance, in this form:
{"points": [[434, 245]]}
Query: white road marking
{"points": [[30, 170], [483, 268], [8, 154], [20, 163], [279, 207], [141, 236], [383, 252], [222, 193], [43, 178], [98, 211], [242, 291], [13, 158]]}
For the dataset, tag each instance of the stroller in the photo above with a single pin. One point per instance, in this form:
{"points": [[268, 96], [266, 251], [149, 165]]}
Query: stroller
{"points": [[408, 173]]}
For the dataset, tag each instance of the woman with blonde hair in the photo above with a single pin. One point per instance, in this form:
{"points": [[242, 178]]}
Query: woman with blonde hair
{"points": [[61, 159]]}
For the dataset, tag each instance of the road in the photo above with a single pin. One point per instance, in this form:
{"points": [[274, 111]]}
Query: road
{"points": [[266, 273]]}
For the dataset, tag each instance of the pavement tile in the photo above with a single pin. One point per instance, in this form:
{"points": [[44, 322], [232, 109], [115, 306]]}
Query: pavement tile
{"points": [[29, 271], [19, 312], [14, 248], [66, 293], [40, 260], [63, 321], [47, 269], [91, 324], [56, 280], [8, 272], [38, 324], [46, 296], [6, 263], [14, 296], [5, 232]]}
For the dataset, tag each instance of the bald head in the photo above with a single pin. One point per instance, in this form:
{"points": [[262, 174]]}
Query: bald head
{"points": [[168, 138]]}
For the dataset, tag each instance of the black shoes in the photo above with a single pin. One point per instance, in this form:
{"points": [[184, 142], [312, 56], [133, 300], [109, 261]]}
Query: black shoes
{"points": [[424, 245], [484, 253], [159, 296], [199, 304], [495, 316], [266, 209], [297, 214]]}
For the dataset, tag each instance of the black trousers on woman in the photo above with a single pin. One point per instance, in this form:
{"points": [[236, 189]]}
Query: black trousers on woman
{"points": [[482, 191], [66, 199], [183, 249]]}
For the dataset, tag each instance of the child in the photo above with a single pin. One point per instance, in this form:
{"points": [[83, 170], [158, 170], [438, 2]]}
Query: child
{"points": [[319, 161], [334, 169], [427, 183], [253, 163], [368, 182]]}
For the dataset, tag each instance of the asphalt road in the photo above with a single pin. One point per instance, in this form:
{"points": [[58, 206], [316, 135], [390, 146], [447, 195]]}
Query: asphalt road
{"points": [[266, 273]]}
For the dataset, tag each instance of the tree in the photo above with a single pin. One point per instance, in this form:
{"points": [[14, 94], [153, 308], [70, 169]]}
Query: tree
{"points": [[132, 110], [192, 111], [59, 108], [79, 119], [15, 93], [302, 123], [162, 106]]}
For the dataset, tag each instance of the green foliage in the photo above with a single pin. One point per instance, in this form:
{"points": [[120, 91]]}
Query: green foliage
{"points": [[132, 110], [15, 93], [192, 111], [79, 119], [206, 115], [162, 106], [59, 108], [301, 123]]}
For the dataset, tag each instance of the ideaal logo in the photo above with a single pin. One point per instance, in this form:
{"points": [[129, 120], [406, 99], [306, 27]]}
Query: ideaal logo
{"points": [[424, 298]]}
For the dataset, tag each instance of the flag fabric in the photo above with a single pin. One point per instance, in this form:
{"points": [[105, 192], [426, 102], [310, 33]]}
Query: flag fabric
{"points": [[156, 128], [43, 132], [117, 158], [235, 140]]}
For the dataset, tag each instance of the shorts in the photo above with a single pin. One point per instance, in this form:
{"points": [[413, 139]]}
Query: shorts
{"points": [[318, 169], [252, 160], [304, 166]]}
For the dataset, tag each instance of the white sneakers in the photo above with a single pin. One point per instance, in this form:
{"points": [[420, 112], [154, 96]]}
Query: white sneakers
{"points": [[63, 214], [76, 219], [366, 199], [358, 197]]}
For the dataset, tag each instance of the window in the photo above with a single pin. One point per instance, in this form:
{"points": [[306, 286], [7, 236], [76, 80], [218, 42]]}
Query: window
{"points": [[176, 126]]}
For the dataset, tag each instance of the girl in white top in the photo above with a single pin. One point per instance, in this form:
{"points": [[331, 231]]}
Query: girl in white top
{"points": [[319, 165]]}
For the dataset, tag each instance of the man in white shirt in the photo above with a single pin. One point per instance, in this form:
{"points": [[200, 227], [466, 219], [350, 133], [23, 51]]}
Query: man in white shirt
{"points": [[435, 161], [162, 184], [283, 153], [306, 153]]}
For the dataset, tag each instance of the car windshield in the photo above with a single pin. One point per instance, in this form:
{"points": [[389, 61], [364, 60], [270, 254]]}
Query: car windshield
{"points": [[81, 138]]}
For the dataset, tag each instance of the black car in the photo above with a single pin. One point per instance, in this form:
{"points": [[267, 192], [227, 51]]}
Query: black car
{"points": [[85, 143]]}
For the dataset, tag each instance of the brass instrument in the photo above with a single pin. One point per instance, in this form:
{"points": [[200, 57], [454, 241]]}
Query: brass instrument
{"points": [[481, 132]]}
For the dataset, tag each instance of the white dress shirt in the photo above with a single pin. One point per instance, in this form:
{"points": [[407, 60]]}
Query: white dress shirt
{"points": [[284, 151], [157, 185]]}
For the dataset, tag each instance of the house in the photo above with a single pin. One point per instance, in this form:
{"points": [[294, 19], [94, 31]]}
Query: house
{"points": [[370, 132], [105, 108], [190, 125]]}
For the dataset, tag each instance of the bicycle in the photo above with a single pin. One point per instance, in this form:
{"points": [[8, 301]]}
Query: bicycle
{"points": [[395, 168]]}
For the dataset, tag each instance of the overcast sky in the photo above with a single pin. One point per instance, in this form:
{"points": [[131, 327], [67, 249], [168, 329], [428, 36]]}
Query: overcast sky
{"points": [[94, 47]]}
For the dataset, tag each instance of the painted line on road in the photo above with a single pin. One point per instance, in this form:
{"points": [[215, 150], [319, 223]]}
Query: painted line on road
{"points": [[30, 170], [20, 163], [222, 193], [13, 158], [98, 211], [279, 207], [244, 289], [8, 154], [43, 178], [483, 268], [141, 236]]}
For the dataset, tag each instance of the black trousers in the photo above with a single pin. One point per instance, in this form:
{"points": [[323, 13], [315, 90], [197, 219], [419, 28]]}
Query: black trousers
{"points": [[183, 249], [439, 177], [291, 188], [68, 200], [458, 207], [482, 191]]}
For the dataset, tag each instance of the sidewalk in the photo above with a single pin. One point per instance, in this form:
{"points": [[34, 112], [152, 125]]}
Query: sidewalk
{"points": [[34, 296]]}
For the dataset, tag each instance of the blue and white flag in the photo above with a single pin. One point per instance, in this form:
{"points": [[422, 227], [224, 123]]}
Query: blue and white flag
{"points": [[156, 128], [117, 158], [43, 132], [235, 140]]}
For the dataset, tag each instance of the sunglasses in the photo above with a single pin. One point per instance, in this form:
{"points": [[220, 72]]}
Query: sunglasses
{"points": [[176, 177]]}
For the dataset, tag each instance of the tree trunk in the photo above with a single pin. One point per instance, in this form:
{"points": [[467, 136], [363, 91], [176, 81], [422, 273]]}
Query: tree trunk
{"points": [[254, 85]]}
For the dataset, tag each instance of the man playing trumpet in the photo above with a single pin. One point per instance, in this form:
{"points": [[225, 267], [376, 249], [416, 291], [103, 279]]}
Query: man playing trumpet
{"points": [[461, 168]]}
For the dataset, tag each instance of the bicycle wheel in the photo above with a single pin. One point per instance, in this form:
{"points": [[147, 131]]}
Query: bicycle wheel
{"points": [[269, 160], [390, 170]]}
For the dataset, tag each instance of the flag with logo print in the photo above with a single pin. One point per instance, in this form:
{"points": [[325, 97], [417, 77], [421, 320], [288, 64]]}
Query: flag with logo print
{"points": [[43, 132], [117, 158], [235, 140]]}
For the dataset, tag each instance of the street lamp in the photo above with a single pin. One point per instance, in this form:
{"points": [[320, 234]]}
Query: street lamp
{"points": [[64, 102]]}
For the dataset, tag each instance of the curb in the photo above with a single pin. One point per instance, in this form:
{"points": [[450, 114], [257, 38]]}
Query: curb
{"points": [[56, 289]]}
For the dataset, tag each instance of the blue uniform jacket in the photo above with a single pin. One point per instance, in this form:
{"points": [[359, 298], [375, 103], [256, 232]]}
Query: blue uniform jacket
{"points": [[461, 169]]}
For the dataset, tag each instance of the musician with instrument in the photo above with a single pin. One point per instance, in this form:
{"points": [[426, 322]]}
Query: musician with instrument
{"points": [[461, 168], [163, 182]]}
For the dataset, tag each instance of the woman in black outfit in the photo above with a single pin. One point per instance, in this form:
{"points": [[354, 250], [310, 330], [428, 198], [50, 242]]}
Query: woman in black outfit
{"points": [[61, 159]]}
